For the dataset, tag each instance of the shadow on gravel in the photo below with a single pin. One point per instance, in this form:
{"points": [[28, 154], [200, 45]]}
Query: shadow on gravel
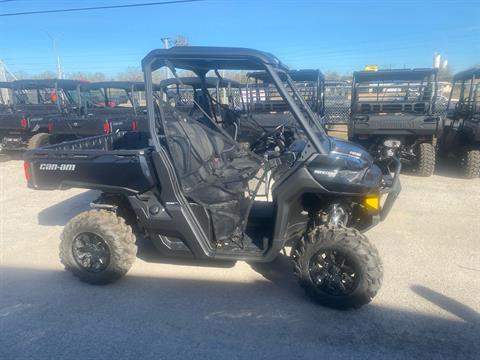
{"points": [[62, 212], [11, 155], [50, 314], [448, 304], [450, 168]]}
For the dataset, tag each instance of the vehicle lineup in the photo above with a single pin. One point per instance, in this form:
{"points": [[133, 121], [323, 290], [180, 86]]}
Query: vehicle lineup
{"points": [[230, 158]]}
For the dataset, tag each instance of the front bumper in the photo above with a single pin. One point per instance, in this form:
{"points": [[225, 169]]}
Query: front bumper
{"points": [[392, 191]]}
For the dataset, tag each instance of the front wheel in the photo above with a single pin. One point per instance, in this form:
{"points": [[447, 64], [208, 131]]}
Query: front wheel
{"points": [[338, 267], [471, 164], [97, 247], [425, 160]]}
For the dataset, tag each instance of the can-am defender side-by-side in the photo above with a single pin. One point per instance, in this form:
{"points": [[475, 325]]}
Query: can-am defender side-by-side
{"points": [[105, 107], [192, 189], [393, 113], [34, 103], [461, 129]]}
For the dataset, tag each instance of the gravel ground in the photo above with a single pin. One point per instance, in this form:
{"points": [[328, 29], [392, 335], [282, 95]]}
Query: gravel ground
{"points": [[427, 308]]}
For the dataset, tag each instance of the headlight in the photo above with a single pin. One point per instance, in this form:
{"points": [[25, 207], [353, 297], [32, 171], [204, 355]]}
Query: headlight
{"points": [[392, 143]]}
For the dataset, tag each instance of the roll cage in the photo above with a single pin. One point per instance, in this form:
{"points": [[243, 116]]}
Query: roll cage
{"points": [[201, 60], [264, 96], [469, 97], [184, 90], [62, 93], [105, 89], [394, 91], [5, 96]]}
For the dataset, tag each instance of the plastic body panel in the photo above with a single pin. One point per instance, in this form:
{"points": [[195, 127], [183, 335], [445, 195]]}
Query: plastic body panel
{"points": [[84, 164], [391, 125]]}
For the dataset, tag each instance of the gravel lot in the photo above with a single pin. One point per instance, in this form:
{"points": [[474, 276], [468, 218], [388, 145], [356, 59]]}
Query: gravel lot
{"points": [[428, 306]]}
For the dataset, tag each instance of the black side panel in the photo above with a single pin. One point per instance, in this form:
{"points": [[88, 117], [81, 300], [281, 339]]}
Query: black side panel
{"points": [[290, 219], [107, 171]]}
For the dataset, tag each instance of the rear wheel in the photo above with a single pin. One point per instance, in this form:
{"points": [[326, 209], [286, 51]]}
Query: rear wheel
{"points": [[338, 267], [38, 140], [97, 247], [471, 164], [425, 159]]}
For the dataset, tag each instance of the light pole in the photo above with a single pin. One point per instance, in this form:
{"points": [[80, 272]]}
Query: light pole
{"points": [[166, 45], [57, 56]]}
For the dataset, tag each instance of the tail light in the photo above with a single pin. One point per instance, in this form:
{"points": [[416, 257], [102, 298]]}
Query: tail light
{"points": [[26, 171], [134, 125], [24, 123], [50, 126], [107, 129]]}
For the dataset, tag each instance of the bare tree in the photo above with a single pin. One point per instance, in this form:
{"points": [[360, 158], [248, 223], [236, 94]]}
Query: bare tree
{"points": [[96, 76], [180, 40], [131, 74], [445, 74], [333, 75]]}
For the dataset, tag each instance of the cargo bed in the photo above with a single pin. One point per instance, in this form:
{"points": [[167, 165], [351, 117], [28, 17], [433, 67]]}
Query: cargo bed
{"points": [[118, 162]]}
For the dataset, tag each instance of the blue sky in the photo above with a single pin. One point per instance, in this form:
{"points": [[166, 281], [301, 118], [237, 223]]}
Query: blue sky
{"points": [[337, 35]]}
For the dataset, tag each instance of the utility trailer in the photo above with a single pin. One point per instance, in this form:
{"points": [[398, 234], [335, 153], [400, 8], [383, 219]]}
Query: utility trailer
{"points": [[192, 189], [24, 122], [105, 107], [393, 113], [461, 128]]}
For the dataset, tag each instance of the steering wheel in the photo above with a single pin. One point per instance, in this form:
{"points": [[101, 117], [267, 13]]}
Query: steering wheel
{"points": [[268, 139]]}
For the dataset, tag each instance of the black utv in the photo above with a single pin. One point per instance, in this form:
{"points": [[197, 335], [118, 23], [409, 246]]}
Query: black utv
{"points": [[194, 191], [393, 113], [24, 122], [104, 107], [461, 129]]}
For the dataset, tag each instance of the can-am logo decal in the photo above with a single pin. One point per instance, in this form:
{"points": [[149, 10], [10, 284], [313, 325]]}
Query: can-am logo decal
{"points": [[60, 167], [328, 173]]}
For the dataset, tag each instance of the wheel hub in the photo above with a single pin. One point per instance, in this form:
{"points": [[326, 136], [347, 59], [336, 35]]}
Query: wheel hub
{"points": [[91, 252], [333, 273]]}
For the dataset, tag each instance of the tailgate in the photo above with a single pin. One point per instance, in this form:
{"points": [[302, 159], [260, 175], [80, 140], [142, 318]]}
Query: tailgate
{"points": [[89, 127], [125, 171], [11, 122]]}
